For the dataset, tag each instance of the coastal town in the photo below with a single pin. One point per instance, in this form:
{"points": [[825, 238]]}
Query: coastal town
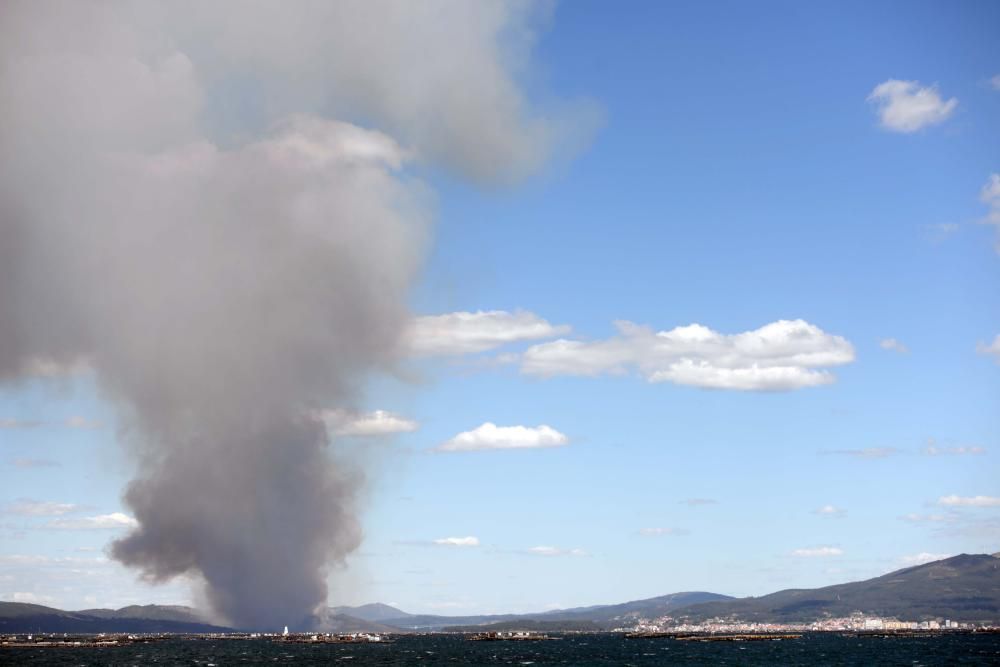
{"points": [[858, 622]]}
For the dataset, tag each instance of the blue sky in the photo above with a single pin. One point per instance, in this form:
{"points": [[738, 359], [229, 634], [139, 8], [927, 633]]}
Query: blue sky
{"points": [[742, 173]]}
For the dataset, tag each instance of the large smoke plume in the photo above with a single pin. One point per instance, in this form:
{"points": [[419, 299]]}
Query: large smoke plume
{"points": [[181, 210]]}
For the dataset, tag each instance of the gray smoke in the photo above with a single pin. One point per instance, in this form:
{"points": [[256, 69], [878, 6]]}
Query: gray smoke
{"points": [[227, 269]]}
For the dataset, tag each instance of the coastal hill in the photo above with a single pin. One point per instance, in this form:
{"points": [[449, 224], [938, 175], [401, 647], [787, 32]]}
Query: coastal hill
{"points": [[23, 617], [960, 588]]}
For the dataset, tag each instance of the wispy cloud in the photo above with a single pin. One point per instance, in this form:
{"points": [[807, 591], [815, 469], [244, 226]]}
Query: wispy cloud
{"points": [[20, 423], [32, 598], [467, 333], [34, 463], [922, 558], [555, 551], [934, 449], [914, 517], [906, 106], [699, 502], [379, 422], [831, 511], [818, 552], [33, 560], [83, 423], [866, 453], [969, 501], [995, 82], [468, 541], [940, 232], [893, 345], [71, 422], [990, 195], [27, 507], [672, 532], [990, 349], [113, 521], [781, 356], [491, 436]]}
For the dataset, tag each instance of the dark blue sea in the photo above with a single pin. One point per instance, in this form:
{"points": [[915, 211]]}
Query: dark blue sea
{"points": [[570, 650]]}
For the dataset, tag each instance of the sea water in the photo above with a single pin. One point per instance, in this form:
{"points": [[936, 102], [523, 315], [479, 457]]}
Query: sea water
{"points": [[586, 649]]}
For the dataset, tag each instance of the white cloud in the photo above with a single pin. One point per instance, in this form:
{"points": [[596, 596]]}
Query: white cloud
{"points": [[818, 552], [491, 436], [921, 558], [992, 350], [555, 551], [469, 541], [466, 333], [893, 345], [674, 532], [995, 82], [115, 520], [905, 106], [379, 422], [779, 356], [831, 511], [25, 507], [990, 195], [969, 501]]}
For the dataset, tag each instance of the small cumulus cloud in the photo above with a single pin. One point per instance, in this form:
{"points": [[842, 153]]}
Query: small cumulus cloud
{"points": [[893, 345], [115, 520], [468, 541], [674, 532], [969, 501], [817, 552], [466, 332], [379, 422], [922, 558], [491, 436], [780, 356], [990, 349], [906, 106], [555, 551], [26, 507]]}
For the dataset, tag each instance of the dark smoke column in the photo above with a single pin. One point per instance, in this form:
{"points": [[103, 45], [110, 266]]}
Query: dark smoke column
{"points": [[228, 268]]}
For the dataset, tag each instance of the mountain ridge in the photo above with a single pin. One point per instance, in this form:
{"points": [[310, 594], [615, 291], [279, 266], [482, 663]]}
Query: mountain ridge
{"points": [[965, 587]]}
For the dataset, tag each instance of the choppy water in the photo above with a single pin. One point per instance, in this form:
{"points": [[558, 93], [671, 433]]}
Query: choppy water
{"points": [[570, 650]]}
